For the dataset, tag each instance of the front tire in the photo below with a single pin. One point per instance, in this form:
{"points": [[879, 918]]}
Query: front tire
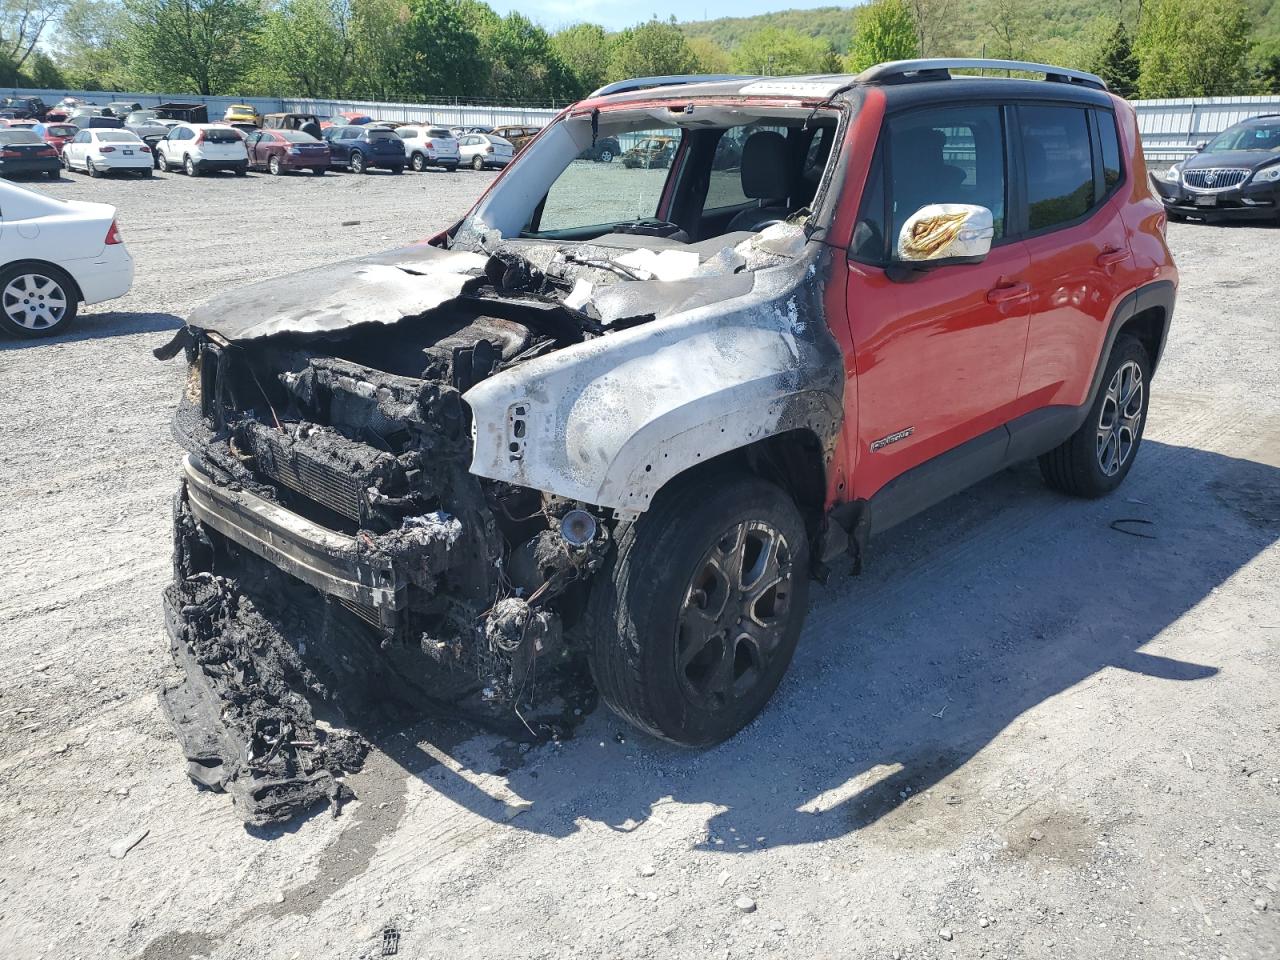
{"points": [[605, 156], [1095, 459], [695, 617], [90, 169], [36, 300]]}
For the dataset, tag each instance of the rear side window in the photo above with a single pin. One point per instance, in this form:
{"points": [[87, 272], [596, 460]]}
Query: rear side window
{"points": [[383, 135], [1110, 144], [1059, 164]]}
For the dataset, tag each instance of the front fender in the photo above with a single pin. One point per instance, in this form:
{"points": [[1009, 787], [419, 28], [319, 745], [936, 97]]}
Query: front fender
{"points": [[609, 421]]}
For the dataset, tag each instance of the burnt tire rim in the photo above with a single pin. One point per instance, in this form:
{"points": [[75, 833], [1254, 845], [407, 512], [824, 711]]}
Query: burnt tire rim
{"points": [[1120, 421], [34, 302], [734, 616]]}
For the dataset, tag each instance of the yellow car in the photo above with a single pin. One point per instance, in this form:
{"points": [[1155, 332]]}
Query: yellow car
{"points": [[242, 113]]}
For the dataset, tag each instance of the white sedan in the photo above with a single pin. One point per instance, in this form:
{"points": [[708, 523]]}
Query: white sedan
{"points": [[55, 255], [99, 151]]}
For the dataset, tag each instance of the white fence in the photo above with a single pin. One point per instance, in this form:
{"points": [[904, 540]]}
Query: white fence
{"points": [[1171, 129]]}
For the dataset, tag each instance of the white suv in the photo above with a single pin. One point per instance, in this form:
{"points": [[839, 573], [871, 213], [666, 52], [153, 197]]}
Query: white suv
{"points": [[429, 147], [201, 147]]}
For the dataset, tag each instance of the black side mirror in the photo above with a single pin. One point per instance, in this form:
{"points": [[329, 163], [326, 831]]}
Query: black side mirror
{"points": [[1201, 145]]}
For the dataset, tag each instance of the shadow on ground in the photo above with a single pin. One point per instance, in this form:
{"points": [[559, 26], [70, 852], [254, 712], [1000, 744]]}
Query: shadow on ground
{"points": [[99, 326], [968, 617]]}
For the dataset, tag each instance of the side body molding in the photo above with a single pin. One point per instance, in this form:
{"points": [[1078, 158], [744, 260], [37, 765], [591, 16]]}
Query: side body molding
{"points": [[609, 421]]}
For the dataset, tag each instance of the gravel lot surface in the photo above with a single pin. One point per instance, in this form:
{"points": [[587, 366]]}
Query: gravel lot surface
{"points": [[1022, 733]]}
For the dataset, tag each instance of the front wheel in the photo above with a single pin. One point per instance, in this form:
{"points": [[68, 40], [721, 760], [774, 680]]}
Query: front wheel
{"points": [[696, 615], [36, 300], [477, 163], [357, 163], [605, 156], [1095, 459]]}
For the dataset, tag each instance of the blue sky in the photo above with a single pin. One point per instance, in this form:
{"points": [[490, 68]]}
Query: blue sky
{"points": [[613, 15]]}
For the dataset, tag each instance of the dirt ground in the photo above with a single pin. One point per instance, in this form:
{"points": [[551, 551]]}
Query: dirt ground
{"points": [[1021, 733]]}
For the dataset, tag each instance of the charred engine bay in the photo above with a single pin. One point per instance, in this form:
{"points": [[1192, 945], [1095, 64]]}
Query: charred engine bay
{"points": [[332, 548]]}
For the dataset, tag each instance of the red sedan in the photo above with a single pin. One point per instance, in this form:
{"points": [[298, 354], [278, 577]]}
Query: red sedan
{"points": [[57, 134], [281, 151]]}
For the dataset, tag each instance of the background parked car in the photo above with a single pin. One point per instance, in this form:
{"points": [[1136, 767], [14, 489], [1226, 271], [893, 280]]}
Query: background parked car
{"points": [[239, 113], [481, 150], [54, 255], [289, 121], [359, 148], [352, 119], [101, 152], [518, 135], [24, 152], [200, 148], [91, 117], [56, 134], [56, 115], [121, 108], [606, 150], [283, 151], [429, 147], [25, 124], [32, 107], [650, 152], [147, 123]]}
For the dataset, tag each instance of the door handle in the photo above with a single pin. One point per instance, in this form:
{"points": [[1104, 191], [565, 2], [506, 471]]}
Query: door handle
{"points": [[1111, 256], [1009, 291]]}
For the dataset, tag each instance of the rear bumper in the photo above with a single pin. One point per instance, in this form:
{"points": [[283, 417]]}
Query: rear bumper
{"points": [[333, 563], [207, 165], [11, 168], [139, 161], [104, 277]]}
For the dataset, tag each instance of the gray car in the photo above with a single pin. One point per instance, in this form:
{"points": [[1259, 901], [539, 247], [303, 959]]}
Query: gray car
{"points": [[146, 123]]}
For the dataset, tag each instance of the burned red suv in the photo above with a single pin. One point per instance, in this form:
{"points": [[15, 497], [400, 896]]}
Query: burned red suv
{"points": [[629, 413]]}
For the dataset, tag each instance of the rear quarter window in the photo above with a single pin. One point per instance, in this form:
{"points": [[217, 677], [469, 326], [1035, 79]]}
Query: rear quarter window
{"points": [[1109, 141], [221, 135]]}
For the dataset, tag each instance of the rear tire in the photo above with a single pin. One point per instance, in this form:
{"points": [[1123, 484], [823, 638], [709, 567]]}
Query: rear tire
{"points": [[1095, 459], [147, 173], [451, 168], [90, 169], [320, 171], [241, 171], [477, 163], [418, 162], [25, 290], [190, 168], [273, 166], [696, 614], [357, 163], [397, 169]]}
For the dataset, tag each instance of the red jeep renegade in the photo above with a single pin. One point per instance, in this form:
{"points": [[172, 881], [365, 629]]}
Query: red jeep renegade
{"points": [[632, 411]]}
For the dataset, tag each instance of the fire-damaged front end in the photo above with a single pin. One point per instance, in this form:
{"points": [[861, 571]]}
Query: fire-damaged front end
{"points": [[404, 472]]}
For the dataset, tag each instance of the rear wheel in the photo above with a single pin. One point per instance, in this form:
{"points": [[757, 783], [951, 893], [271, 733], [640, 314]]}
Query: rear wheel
{"points": [[146, 172], [697, 613], [1097, 457], [477, 163], [397, 169], [190, 168], [91, 168], [36, 300], [273, 166], [54, 174], [357, 162], [242, 170], [320, 171], [418, 162]]}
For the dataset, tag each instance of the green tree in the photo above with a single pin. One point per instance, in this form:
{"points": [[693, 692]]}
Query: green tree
{"points": [[23, 23], [523, 64], [206, 46], [884, 30], [710, 56], [1194, 48], [307, 47], [586, 49], [1010, 28], [1115, 61], [441, 51], [777, 52], [655, 48], [91, 48], [378, 30]]}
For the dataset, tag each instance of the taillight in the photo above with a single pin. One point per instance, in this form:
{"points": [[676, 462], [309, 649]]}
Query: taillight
{"points": [[429, 145], [10, 153], [489, 148], [106, 149], [47, 152], [145, 149], [113, 234]]}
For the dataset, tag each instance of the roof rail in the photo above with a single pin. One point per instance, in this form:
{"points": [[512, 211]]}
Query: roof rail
{"points": [[905, 71], [644, 83]]}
